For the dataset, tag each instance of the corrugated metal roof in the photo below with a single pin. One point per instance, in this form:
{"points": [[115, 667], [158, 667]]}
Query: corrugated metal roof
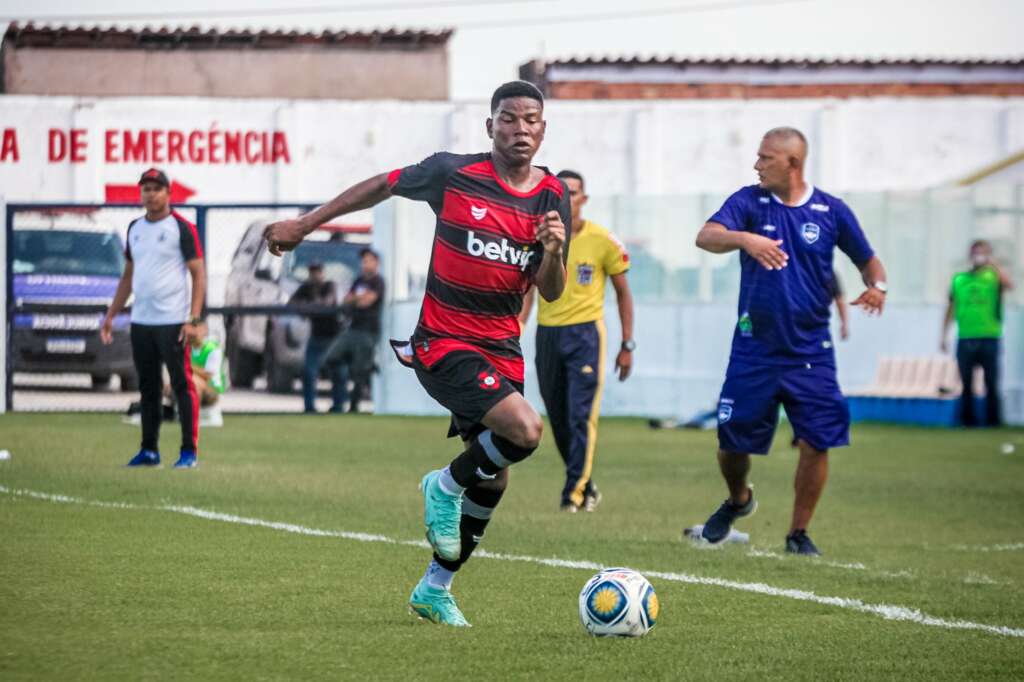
{"points": [[195, 38], [787, 62]]}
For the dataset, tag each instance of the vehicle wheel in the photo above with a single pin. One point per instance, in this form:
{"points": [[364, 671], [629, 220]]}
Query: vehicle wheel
{"points": [[100, 381], [279, 379], [129, 382], [242, 365]]}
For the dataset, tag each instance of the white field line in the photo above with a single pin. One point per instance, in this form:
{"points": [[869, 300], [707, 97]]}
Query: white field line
{"points": [[1011, 547], [758, 553], [886, 611]]}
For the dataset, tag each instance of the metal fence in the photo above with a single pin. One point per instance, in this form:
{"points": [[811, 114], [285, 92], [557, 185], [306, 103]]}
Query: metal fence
{"points": [[62, 263]]}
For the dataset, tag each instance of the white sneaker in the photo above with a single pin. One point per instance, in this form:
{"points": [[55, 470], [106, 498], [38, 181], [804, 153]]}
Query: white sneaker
{"points": [[211, 416]]}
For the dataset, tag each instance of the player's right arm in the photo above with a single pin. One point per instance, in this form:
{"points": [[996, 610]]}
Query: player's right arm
{"points": [[947, 320], [717, 238], [285, 235], [124, 290]]}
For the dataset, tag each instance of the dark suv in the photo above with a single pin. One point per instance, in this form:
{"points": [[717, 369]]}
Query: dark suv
{"points": [[55, 272], [276, 344]]}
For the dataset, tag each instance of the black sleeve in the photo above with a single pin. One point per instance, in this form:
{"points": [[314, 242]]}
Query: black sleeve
{"points": [[377, 284], [128, 240], [301, 294], [426, 180], [190, 246]]}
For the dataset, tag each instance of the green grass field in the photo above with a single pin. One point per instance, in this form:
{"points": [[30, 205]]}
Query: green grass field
{"points": [[143, 588]]}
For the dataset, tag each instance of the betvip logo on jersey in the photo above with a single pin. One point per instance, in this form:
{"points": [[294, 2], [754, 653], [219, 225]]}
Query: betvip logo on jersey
{"points": [[498, 251], [810, 232], [584, 274]]}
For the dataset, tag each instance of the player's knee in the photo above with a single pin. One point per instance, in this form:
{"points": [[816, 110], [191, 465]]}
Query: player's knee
{"points": [[529, 431]]}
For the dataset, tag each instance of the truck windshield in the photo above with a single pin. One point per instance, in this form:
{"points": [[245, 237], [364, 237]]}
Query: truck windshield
{"points": [[66, 252]]}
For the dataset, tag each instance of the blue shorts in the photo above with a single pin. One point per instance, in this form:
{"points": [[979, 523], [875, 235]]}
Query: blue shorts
{"points": [[748, 409]]}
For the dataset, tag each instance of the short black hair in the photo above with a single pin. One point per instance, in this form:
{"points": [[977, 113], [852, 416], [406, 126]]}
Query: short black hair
{"points": [[366, 250], [516, 89], [571, 174], [978, 243]]}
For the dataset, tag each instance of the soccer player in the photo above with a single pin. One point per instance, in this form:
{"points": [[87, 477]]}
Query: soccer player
{"points": [[571, 346], [500, 229], [786, 231]]}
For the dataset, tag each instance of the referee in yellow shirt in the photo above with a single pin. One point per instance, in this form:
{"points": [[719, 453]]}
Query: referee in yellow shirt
{"points": [[571, 346]]}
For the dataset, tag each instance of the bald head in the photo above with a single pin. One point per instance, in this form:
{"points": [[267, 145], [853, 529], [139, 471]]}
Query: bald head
{"points": [[791, 140], [780, 159]]}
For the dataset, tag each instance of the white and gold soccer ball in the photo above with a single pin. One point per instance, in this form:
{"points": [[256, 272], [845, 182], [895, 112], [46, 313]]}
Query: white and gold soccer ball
{"points": [[618, 602]]}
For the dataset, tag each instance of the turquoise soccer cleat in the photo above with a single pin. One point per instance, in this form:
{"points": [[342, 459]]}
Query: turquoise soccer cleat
{"points": [[437, 605], [441, 516]]}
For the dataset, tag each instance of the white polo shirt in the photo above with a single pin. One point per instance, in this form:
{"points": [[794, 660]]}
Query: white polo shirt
{"points": [[158, 251]]}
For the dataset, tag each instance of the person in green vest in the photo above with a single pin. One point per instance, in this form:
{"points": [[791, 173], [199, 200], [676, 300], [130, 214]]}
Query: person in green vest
{"points": [[207, 367], [976, 301]]}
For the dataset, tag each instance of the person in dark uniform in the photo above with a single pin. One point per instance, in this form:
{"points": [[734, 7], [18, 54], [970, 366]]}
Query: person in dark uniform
{"points": [[571, 346], [355, 346], [317, 290]]}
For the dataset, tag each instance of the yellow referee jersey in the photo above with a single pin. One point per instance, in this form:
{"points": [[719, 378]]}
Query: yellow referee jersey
{"points": [[594, 254]]}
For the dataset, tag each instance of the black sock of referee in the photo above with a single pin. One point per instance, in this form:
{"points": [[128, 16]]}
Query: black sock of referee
{"points": [[485, 456]]}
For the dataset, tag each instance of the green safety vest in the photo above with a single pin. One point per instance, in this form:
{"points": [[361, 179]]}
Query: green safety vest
{"points": [[201, 355], [977, 297]]}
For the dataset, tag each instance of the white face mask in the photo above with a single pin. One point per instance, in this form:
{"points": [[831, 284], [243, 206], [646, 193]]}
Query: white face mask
{"points": [[979, 259]]}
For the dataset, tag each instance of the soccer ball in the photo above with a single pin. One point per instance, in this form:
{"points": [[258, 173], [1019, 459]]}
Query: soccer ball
{"points": [[618, 602]]}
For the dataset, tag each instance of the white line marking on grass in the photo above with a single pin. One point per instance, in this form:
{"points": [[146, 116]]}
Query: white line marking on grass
{"points": [[1011, 547], [886, 611]]}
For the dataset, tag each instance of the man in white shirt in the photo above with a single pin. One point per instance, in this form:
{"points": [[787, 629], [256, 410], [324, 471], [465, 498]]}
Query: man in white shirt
{"points": [[162, 251]]}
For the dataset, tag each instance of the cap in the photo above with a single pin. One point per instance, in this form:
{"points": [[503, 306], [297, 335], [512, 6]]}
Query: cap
{"points": [[155, 175]]}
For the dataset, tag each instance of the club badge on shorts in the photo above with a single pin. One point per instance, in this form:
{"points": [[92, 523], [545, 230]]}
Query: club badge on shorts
{"points": [[489, 381], [810, 232], [724, 410]]}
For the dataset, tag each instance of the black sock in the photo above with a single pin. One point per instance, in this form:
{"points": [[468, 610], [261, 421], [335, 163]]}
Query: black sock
{"points": [[478, 505]]}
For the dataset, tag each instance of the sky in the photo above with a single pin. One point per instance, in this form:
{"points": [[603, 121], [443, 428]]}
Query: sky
{"points": [[494, 37]]}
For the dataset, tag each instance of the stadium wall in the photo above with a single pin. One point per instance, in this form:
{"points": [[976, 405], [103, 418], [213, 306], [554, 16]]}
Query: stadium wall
{"points": [[224, 150], [684, 349]]}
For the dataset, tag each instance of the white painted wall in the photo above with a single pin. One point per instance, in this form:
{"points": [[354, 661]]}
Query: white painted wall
{"points": [[625, 148]]}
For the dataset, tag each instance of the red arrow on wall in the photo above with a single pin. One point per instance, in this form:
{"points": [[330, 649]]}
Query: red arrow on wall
{"points": [[129, 194]]}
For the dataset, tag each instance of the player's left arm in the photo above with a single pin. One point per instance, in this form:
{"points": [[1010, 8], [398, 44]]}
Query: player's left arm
{"points": [[624, 297], [1005, 281], [197, 270], [550, 277], [853, 243], [873, 298]]}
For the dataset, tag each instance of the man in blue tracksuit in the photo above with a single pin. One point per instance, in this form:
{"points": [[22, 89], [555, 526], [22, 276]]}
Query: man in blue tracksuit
{"points": [[786, 231]]}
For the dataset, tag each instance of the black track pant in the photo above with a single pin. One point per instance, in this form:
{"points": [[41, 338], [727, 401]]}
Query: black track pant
{"points": [[152, 347]]}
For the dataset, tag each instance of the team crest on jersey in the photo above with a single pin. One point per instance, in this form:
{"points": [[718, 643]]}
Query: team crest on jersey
{"points": [[724, 410], [584, 274], [489, 381], [810, 232], [478, 212]]}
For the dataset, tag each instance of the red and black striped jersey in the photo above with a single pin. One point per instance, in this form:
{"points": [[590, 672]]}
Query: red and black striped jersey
{"points": [[484, 257]]}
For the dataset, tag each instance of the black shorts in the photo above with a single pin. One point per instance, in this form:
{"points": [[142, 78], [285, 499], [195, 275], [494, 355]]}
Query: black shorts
{"points": [[468, 386]]}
